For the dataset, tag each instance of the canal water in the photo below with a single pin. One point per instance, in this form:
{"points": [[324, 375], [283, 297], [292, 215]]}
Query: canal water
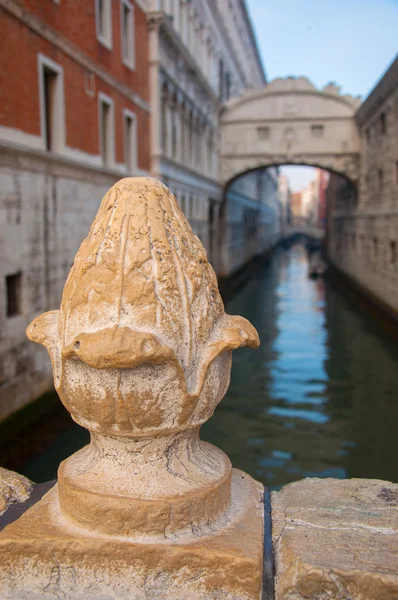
{"points": [[317, 399]]}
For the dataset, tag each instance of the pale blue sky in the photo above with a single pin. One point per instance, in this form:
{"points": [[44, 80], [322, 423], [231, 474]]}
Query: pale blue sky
{"points": [[351, 42]]}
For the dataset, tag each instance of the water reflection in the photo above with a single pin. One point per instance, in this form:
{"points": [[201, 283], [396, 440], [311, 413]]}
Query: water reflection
{"points": [[317, 398]]}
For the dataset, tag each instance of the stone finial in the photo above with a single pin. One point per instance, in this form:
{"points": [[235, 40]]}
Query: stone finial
{"points": [[141, 354]]}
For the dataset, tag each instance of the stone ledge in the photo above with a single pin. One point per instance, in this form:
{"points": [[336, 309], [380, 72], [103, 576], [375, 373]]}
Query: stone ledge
{"points": [[336, 539]]}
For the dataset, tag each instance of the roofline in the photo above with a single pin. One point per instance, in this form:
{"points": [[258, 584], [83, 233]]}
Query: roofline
{"points": [[383, 88], [254, 40]]}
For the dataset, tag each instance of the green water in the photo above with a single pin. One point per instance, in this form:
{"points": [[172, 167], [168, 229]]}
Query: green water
{"points": [[318, 399]]}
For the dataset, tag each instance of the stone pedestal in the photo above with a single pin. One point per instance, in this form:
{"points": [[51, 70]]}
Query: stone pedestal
{"points": [[45, 555], [141, 354]]}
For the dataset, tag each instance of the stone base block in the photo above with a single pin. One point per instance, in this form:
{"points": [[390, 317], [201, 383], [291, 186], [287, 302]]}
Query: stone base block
{"points": [[336, 539], [43, 555]]}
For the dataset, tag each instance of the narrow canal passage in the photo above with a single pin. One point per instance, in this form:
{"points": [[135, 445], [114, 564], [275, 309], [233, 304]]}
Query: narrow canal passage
{"points": [[318, 399]]}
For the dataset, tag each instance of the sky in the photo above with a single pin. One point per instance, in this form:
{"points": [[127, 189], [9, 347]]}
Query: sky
{"points": [[350, 42]]}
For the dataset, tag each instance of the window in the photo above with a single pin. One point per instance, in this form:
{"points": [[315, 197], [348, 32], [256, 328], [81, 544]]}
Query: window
{"points": [[317, 131], [106, 130], [367, 134], [227, 86], [380, 177], [383, 123], [263, 133], [13, 290], [103, 12], [51, 104], [221, 80], [127, 33], [393, 252], [375, 248], [130, 141]]}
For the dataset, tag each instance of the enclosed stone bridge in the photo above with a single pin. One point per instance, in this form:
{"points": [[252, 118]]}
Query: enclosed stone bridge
{"points": [[290, 122]]}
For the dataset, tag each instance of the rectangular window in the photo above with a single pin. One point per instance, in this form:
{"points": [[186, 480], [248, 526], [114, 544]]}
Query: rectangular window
{"points": [[127, 33], [375, 248], [221, 80], [14, 292], [227, 86], [380, 176], [49, 85], [106, 130], [51, 104], [393, 252], [263, 133], [317, 131], [130, 142], [383, 123], [103, 13]]}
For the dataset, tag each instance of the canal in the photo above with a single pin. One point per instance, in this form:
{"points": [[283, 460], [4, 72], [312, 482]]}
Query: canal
{"points": [[318, 399]]}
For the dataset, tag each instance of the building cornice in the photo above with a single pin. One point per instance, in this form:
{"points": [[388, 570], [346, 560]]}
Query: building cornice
{"points": [[41, 28], [253, 38], [28, 159], [384, 87]]}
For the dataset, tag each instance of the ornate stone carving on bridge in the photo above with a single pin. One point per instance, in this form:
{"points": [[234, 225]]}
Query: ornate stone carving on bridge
{"points": [[141, 354]]}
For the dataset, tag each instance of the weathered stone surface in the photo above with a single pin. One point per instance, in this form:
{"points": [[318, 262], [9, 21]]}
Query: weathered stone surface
{"points": [[13, 488], [141, 353], [336, 539], [45, 555]]}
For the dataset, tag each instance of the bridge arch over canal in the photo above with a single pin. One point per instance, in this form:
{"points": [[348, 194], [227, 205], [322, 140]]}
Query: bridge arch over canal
{"points": [[290, 122]]}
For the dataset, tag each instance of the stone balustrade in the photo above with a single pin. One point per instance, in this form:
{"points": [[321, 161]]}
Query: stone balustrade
{"points": [[141, 355]]}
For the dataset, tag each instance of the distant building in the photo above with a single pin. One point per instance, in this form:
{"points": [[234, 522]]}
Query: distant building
{"points": [[74, 118], [363, 222], [296, 207], [285, 194]]}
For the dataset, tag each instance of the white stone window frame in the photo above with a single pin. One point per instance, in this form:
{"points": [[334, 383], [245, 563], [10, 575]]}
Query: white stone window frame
{"points": [[104, 38], [133, 142], [128, 61], [105, 99], [59, 109]]}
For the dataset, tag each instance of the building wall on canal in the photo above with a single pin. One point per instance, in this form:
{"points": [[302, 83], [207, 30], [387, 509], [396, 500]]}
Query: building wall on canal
{"points": [[74, 119], [363, 225]]}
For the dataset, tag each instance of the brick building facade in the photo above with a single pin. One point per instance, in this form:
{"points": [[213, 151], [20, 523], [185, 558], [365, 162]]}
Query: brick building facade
{"points": [[74, 118]]}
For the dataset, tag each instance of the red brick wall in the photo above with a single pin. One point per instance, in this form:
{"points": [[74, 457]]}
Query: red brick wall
{"points": [[19, 92]]}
